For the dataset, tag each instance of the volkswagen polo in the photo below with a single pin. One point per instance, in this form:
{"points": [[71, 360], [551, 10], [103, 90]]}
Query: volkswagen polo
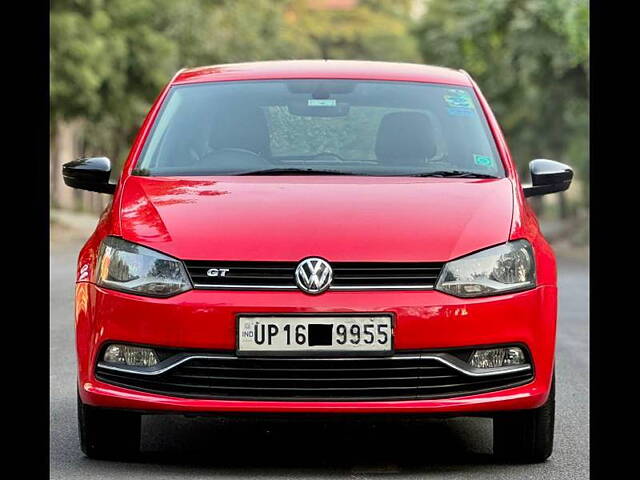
{"points": [[318, 237]]}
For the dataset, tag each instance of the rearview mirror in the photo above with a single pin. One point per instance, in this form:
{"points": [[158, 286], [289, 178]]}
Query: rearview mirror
{"points": [[89, 174], [547, 176]]}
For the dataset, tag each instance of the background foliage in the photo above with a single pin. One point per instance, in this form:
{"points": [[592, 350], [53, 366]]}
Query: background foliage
{"points": [[110, 58]]}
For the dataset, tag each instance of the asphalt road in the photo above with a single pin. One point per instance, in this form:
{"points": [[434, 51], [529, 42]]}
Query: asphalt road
{"points": [[178, 447]]}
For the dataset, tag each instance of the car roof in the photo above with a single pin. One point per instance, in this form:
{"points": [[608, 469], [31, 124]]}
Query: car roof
{"points": [[344, 69]]}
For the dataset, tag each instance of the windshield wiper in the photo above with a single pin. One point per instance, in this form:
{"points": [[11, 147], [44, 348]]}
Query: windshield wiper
{"points": [[454, 173], [295, 171]]}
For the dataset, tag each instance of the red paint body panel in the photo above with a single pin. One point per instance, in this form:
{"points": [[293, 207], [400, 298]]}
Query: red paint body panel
{"points": [[288, 218], [528, 396]]}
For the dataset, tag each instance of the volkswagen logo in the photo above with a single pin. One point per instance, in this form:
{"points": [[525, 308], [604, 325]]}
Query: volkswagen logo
{"points": [[313, 275]]}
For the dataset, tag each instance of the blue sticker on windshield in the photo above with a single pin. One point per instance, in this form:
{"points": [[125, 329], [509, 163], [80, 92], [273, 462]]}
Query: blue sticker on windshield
{"points": [[483, 161], [459, 103]]}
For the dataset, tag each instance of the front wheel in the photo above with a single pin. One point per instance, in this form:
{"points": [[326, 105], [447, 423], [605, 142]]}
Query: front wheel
{"points": [[526, 436], [108, 434]]}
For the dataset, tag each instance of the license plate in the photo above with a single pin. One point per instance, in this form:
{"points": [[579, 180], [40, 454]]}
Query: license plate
{"points": [[308, 334]]}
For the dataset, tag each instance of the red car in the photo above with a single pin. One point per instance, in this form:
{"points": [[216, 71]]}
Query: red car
{"points": [[326, 237]]}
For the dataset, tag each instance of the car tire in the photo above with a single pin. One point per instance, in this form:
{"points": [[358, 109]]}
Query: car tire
{"points": [[108, 434], [526, 436]]}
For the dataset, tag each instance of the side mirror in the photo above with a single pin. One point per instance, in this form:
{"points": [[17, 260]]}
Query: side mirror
{"points": [[89, 174], [547, 176]]}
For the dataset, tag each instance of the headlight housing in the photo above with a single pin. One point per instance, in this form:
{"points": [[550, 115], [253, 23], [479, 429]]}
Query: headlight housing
{"points": [[132, 268], [505, 268], [130, 355]]}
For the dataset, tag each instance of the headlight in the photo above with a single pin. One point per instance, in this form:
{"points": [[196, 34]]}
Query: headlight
{"points": [[506, 268], [132, 268]]}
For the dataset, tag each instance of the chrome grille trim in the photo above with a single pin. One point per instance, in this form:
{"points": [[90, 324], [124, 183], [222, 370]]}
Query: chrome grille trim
{"points": [[444, 358], [347, 276]]}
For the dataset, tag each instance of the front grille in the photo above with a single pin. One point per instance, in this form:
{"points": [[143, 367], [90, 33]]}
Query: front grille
{"points": [[346, 275], [400, 377]]}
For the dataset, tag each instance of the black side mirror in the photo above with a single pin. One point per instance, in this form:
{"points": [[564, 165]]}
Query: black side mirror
{"points": [[548, 176], [89, 174]]}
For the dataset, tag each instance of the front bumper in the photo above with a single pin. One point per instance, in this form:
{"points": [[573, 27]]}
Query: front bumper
{"points": [[424, 320]]}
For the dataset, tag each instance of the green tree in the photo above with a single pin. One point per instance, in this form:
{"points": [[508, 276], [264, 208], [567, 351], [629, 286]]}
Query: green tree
{"points": [[370, 31], [108, 59], [81, 58]]}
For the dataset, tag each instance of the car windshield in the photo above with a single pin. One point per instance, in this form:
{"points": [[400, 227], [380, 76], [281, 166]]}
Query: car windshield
{"points": [[322, 127]]}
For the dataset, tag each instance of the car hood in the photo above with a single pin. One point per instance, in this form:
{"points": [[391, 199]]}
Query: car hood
{"points": [[287, 218]]}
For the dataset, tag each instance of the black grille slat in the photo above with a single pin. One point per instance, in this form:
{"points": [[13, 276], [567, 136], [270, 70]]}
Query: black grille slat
{"points": [[388, 268], [229, 278], [385, 278], [386, 369], [357, 275], [481, 384], [243, 268], [295, 379], [345, 375], [313, 379]]}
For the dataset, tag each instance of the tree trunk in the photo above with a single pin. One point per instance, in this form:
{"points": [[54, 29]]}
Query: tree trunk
{"points": [[537, 205], [563, 206], [63, 150]]}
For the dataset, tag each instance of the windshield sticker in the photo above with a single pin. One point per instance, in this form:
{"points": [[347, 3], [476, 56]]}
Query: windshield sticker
{"points": [[483, 161], [459, 103], [317, 102]]}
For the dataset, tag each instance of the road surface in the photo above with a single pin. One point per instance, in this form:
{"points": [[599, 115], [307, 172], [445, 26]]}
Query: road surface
{"points": [[178, 447]]}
